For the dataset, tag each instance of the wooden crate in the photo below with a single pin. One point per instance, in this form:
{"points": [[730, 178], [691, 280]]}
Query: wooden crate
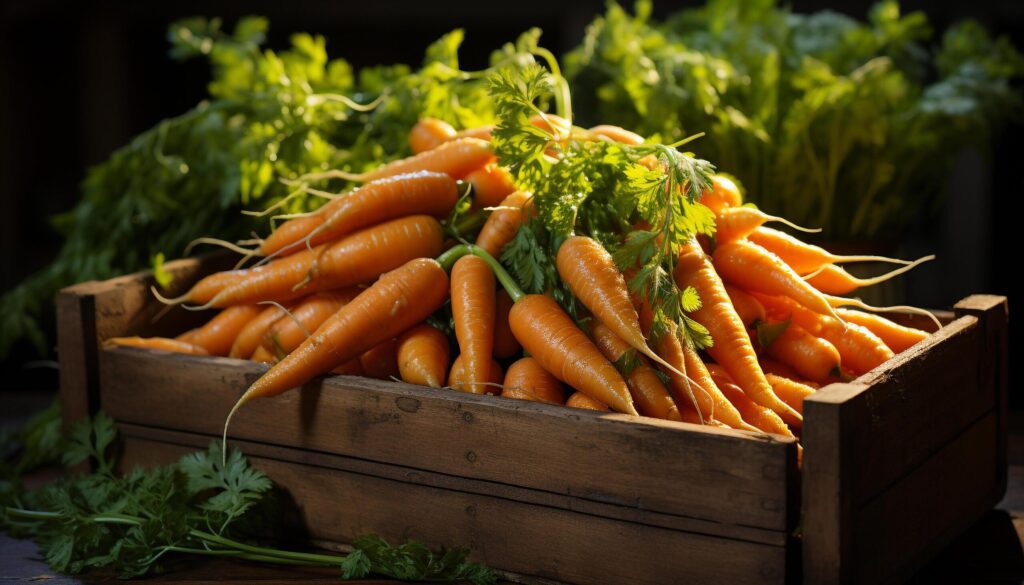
{"points": [[896, 464]]}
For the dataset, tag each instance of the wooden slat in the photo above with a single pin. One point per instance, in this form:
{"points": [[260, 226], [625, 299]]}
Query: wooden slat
{"points": [[76, 350], [865, 442], [905, 526], [730, 477], [993, 314], [510, 535]]}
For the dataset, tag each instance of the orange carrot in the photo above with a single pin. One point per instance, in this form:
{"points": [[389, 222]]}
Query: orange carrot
{"points": [[491, 184], [747, 307], [352, 367], [723, 193], [473, 310], [459, 380], [423, 355], [770, 366], [400, 299], [157, 343], [790, 391], [355, 259], [505, 344], [649, 394], [455, 158], [897, 337], [759, 416], [546, 331], [833, 280], [733, 223], [262, 355], [720, 409], [503, 223], [590, 272], [527, 380], [219, 333], [805, 258], [250, 337], [757, 270], [617, 134], [206, 288], [381, 361], [813, 358], [429, 133], [731, 345], [581, 400], [689, 415], [289, 331]]}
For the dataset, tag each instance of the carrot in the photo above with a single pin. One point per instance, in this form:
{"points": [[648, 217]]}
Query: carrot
{"points": [[458, 379], [358, 258], [288, 236], [423, 355], [805, 258], [527, 380], [206, 288], [481, 132], [289, 331], [590, 272], [429, 133], [157, 343], [250, 337], [219, 333], [546, 331], [771, 366], [617, 134], [759, 416], [504, 222], [723, 193], [749, 309], [897, 337], [790, 391], [262, 355], [491, 184], [733, 223], [187, 336], [757, 270], [649, 394], [860, 350], [505, 344], [381, 361], [833, 280], [455, 158], [689, 415], [553, 124], [400, 299], [695, 391], [422, 193], [473, 310], [731, 345], [581, 400], [352, 367], [813, 358]]}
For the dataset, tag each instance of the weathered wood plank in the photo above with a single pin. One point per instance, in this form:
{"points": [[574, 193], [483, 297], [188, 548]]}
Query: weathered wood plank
{"points": [[897, 532], [473, 486], [993, 314], [76, 350], [514, 536], [731, 477]]}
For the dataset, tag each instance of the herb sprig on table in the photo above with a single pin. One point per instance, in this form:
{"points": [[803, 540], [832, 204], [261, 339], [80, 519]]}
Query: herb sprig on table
{"points": [[204, 505]]}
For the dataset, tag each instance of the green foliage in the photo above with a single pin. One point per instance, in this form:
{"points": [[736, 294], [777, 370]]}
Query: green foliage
{"points": [[205, 504], [828, 121]]}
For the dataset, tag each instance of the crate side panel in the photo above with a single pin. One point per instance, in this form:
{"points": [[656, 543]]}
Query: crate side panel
{"points": [[514, 536], [731, 478]]}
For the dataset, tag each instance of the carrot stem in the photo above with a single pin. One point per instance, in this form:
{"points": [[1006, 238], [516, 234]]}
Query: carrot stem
{"points": [[447, 260]]}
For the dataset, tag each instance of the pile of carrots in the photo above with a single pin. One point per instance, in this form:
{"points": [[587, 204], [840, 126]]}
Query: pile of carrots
{"points": [[357, 286]]}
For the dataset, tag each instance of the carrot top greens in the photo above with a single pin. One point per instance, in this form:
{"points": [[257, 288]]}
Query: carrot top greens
{"points": [[600, 189]]}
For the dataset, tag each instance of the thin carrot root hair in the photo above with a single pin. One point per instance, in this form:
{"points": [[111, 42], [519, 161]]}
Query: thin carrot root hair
{"points": [[855, 302], [246, 252], [282, 201], [291, 316], [161, 313], [862, 282], [811, 275], [165, 300], [334, 174], [467, 382], [786, 222], [869, 258]]}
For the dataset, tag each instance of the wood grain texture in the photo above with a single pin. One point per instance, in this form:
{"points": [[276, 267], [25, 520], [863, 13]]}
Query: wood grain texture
{"points": [[874, 448], [511, 535], [732, 478]]}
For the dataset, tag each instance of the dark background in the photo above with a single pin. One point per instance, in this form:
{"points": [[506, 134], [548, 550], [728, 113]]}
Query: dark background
{"points": [[79, 79]]}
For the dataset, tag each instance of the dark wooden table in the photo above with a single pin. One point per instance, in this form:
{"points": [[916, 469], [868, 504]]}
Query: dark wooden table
{"points": [[990, 552]]}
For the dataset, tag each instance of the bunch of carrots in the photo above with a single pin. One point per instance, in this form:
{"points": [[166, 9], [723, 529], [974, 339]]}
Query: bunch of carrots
{"points": [[366, 285]]}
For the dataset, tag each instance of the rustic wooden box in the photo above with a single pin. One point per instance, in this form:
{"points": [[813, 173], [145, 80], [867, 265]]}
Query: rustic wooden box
{"points": [[895, 464]]}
